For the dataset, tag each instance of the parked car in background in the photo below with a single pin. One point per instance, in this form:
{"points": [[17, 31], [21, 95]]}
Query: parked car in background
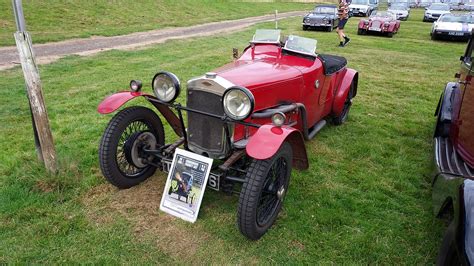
{"points": [[412, 3], [404, 2], [453, 179], [400, 10], [363, 8], [455, 4], [382, 22], [453, 26], [434, 11], [251, 116], [323, 16], [424, 3]]}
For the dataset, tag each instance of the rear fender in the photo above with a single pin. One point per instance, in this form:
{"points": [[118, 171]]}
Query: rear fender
{"points": [[343, 90], [115, 101], [269, 138], [469, 222]]}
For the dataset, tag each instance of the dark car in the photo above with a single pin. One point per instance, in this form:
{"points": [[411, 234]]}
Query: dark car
{"points": [[323, 16], [251, 116], [453, 180]]}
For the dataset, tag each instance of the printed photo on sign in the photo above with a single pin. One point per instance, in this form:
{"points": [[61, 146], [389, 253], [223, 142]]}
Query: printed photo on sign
{"points": [[185, 185]]}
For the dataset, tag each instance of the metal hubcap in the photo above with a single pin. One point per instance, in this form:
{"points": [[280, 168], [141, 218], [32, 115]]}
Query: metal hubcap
{"points": [[281, 193], [139, 141]]}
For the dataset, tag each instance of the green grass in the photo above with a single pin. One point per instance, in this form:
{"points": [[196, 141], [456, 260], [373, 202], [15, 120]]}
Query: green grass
{"points": [[365, 199], [56, 20]]}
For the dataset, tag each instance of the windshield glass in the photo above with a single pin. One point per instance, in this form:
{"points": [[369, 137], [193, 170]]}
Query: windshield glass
{"points": [[439, 7], [266, 36], [383, 14], [459, 19], [360, 2], [301, 45], [325, 9], [398, 7]]}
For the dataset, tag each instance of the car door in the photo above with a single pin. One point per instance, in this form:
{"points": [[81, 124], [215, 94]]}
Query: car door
{"points": [[463, 133]]}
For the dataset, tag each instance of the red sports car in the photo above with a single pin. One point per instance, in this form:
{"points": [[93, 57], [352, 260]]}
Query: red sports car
{"points": [[382, 22], [251, 116]]}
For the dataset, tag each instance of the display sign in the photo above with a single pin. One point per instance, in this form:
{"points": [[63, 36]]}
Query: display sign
{"points": [[185, 185]]}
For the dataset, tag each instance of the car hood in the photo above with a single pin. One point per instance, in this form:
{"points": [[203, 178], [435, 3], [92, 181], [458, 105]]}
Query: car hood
{"points": [[268, 79], [381, 19], [358, 6], [432, 11], [455, 26]]}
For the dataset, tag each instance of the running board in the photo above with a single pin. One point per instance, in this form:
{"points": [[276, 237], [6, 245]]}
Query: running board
{"points": [[316, 128]]}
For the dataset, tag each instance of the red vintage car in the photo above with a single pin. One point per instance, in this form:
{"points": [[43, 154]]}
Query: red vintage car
{"points": [[251, 116], [382, 22]]}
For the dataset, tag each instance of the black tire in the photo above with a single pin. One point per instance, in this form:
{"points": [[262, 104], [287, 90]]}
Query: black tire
{"points": [[114, 159], [330, 28], [305, 27], [434, 37], [271, 176], [390, 34], [339, 120], [448, 254], [361, 32]]}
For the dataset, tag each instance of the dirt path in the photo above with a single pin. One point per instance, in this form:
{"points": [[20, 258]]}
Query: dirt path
{"points": [[50, 52]]}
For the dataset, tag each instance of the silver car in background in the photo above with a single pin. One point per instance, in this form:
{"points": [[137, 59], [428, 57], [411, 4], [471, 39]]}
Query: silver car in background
{"points": [[400, 10], [453, 26], [435, 10]]}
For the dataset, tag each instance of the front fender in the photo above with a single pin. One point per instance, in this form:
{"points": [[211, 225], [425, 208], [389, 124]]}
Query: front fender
{"points": [[114, 101], [343, 90], [269, 138]]}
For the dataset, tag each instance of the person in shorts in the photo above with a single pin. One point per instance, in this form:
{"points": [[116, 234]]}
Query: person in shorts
{"points": [[343, 13]]}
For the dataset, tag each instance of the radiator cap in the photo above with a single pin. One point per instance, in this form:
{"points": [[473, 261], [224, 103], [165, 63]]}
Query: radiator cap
{"points": [[211, 75]]}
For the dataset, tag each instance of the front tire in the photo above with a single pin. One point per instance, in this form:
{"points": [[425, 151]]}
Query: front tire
{"points": [[263, 192], [448, 254], [121, 157]]}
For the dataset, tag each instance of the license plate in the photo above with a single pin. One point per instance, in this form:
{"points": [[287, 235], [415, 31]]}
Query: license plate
{"points": [[456, 33], [375, 29], [213, 181]]}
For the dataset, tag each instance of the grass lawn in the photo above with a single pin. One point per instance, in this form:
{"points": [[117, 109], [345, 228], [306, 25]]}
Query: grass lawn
{"points": [[56, 20], [365, 199]]}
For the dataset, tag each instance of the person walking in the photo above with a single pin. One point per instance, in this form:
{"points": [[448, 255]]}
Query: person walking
{"points": [[343, 13]]}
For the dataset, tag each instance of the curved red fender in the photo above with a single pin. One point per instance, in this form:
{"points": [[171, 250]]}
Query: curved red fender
{"points": [[343, 90], [268, 139], [114, 101]]}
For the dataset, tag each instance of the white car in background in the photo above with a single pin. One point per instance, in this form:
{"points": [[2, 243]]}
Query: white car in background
{"points": [[435, 10], [453, 26], [400, 10], [363, 7]]}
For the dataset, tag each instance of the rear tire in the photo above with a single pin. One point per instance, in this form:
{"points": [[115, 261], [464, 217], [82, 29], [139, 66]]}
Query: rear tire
{"points": [[121, 148], [305, 27], [263, 192], [339, 120]]}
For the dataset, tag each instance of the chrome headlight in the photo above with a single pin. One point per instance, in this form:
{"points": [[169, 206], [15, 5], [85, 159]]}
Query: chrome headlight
{"points": [[238, 103], [166, 86]]}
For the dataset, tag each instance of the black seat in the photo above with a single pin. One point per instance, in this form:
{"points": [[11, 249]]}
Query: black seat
{"points": [[332, 63]]}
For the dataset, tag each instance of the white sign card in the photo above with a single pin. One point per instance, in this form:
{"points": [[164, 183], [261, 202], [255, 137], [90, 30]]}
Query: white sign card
{"points": [[185, 185]]}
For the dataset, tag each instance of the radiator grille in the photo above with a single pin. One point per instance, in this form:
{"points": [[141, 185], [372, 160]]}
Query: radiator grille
{"points": [[206, 134], [376, 24], [448, 159]]}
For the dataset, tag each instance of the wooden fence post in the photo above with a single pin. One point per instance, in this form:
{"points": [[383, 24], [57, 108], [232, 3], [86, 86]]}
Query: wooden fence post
{"points": [[41, 127]]}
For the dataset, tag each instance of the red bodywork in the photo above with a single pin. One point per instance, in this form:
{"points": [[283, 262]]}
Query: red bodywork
{"points": [[275, 78], [381, 24]]}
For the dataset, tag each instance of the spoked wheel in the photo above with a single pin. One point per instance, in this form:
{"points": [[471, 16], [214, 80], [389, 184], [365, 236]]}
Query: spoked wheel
{"points": [[121, 151], [339, 120], [263, 192]]}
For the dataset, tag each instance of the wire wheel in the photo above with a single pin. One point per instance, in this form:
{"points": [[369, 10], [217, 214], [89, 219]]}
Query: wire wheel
{"points": [[121, 151], [263, 192]]}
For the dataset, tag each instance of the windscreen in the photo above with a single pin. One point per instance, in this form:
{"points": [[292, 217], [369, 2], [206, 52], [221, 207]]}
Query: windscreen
{"points": [[301, 45], [439, 7], [324, 9], [266, 36]]}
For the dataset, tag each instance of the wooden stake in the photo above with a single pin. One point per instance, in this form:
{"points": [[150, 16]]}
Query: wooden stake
{"points": [[35, 96]]}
